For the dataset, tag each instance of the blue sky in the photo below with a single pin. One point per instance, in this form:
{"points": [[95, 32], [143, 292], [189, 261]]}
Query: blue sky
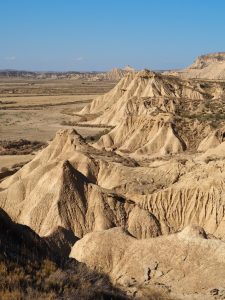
{"points": [[100, 34]]}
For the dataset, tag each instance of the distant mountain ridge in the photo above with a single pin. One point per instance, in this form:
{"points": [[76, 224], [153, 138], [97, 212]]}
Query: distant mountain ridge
{"points": [[114, 75]]}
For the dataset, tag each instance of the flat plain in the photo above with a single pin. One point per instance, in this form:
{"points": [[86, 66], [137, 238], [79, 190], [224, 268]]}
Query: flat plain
{"points": [[35, 110]]}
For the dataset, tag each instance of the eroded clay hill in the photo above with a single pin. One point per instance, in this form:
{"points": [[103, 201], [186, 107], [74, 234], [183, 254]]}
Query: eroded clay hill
{"points": [[116, 73], [147, 199], [210, 66], [144, 84], [71, 184], [62, 187], [156, 114]]}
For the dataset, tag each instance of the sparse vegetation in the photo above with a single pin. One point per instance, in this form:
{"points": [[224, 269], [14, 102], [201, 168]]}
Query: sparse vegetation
{"points": [[73, 123], [96, 137], [40, 106], [7, 102], [206, 117], [31, 269], [20, 147], [47, 280]]}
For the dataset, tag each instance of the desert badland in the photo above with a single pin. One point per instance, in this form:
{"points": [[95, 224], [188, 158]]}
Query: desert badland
{"points": [[121, 174]]}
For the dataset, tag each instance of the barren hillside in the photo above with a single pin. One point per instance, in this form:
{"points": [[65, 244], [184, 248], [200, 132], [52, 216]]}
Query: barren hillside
{"points": [[210, 66], [146, 199]]}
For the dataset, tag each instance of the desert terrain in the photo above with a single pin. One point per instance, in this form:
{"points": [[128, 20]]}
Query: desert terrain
{"points": [[35, 109], [122, 179]]}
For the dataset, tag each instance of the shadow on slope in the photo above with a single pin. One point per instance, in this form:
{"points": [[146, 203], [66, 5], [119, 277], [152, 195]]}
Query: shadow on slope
{"points": [[29, 269]]}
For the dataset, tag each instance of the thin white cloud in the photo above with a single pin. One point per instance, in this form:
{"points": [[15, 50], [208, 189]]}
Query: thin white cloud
{"points": [[79, 58], [10, 58]]}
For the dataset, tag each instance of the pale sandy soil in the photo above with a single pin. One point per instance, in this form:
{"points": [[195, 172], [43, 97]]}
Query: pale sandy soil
{"points": [[42, 100], [7, 161], [36, 110], [40, 123]]}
